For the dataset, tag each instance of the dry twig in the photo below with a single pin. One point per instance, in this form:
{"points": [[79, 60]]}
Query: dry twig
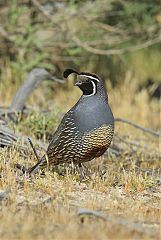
{"points": [[120, 51], [154, 133], [42, 9]]}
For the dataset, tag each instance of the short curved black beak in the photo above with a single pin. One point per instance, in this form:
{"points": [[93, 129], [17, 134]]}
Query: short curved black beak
{"points": [[78, 83]]}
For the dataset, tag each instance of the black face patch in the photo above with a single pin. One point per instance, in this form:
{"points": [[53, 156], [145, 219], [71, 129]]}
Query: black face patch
{"points": [[87, 88]]}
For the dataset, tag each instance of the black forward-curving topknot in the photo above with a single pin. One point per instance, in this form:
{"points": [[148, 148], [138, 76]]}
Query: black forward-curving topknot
{"points": [[68, 71]]}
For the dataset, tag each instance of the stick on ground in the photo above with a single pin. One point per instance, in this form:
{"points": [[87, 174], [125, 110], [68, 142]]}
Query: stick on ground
{"points": [[154, 133], [118, 221]]}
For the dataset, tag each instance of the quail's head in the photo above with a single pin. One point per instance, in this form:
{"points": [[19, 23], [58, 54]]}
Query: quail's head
{"points": [[87, 82]]}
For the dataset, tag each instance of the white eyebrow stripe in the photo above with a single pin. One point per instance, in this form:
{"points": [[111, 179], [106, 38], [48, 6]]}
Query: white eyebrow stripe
{"points": [[91, 77]]}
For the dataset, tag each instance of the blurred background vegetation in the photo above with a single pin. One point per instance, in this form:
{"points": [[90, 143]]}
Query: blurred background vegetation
{"points": [[120, 40]]}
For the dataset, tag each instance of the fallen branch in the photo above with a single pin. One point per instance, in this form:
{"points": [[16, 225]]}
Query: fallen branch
{"points": [[128, 142], [10, 139], [35, 77], [154, 133], [118, 221]]}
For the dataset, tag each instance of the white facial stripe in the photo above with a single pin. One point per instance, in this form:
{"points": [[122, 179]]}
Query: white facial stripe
{"points": [[91, 77], [94, 89]]}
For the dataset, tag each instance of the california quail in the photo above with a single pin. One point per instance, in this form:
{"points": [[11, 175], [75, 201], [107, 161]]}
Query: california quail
{"points": [[86, 130]]}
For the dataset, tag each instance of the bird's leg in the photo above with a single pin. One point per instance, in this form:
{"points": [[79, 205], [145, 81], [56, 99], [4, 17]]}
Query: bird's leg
{"points": [[81, 171], [22, 168], [30, 170]]}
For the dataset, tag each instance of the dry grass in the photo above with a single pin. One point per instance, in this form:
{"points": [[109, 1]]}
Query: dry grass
{"points": [[45, 207]]}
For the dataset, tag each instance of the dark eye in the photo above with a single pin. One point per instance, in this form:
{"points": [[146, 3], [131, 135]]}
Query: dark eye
{"points": [[87, 80]]}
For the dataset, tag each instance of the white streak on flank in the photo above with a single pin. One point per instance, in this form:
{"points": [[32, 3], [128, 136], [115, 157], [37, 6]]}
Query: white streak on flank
{"points": [[91, 77], [94, 89]]}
